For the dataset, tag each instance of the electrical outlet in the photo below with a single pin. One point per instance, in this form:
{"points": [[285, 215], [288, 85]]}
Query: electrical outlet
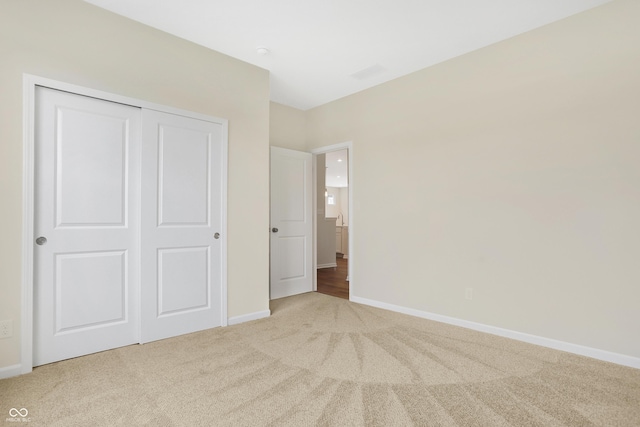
{"points": [[6, 328], [468, 293]]}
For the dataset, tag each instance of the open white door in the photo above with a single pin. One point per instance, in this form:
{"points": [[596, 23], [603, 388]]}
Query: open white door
{"points": [[182, 211], [291, 223], [86, 224]]}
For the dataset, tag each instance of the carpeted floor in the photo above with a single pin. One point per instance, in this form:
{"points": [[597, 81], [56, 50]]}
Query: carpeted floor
{"points": [[320, 360]]}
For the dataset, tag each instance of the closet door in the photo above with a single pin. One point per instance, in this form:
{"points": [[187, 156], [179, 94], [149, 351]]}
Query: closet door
{"points": [[181, 225], [86, 224]]}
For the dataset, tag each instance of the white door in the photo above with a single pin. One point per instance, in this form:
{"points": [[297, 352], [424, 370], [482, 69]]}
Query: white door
{"points": [[291, 223], [86, 204], [182, 178]]}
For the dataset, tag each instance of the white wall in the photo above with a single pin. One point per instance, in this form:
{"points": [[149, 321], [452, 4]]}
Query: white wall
{"points": [[512, 170], [326, 230], [344, 206], [287, 127], [340, 210], [326, 243], [74, 42], [332, 211]]}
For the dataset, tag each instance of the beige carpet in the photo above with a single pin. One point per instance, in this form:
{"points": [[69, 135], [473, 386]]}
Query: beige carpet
{"points": [[320, 360]]}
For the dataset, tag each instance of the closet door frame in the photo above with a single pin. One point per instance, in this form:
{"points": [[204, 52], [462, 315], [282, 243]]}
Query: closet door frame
{"points": [[30, 82]]}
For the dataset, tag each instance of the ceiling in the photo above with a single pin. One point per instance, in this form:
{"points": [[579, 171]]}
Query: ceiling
{"points": [[322, 50], [336, 169]]}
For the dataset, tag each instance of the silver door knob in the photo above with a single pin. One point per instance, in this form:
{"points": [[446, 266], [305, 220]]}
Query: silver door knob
{"points": [[275, 230], [216, 236], [41, 241]]}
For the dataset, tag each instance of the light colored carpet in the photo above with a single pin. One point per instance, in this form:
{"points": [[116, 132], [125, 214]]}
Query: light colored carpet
{"points": [[320, 360]]}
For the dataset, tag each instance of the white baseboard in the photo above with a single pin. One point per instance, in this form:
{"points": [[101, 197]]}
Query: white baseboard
{"points": [[330, 265], [248, 317], [10, 371], [607, 356]]}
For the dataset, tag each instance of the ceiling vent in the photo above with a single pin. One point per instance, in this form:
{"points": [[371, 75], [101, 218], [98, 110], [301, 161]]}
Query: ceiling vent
{"points": [[369, 72]]}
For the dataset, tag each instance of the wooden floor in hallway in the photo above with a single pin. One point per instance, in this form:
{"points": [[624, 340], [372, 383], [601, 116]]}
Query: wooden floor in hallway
{"points": [[333, 281]]}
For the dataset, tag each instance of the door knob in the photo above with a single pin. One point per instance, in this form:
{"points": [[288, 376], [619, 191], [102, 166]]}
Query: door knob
{"points": [[216, 236], [275, 230], [41, 241]]}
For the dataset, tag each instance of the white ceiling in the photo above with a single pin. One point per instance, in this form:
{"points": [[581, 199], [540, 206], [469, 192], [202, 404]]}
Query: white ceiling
{"points": [[336, 169], [323, 50]]}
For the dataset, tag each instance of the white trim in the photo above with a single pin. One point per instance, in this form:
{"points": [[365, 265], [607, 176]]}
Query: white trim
{"points": [[607, 356], [236, 320], [329, 265], [11, 371], [314, 231], [29, 84], [348, 145], [223, 224], [108, 96], [28, 183], [335, 147]]}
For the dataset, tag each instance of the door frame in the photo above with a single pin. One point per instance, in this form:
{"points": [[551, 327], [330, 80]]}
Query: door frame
{"points": [[347, 145], [29, 83]]}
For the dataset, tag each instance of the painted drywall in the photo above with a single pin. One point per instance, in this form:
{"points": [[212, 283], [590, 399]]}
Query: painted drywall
{"points": [[339, 210], [287, 127], [512, 170], [325, 232], [319, 163], [326, 242], [343, 219], [74, 42], [332, 210]]}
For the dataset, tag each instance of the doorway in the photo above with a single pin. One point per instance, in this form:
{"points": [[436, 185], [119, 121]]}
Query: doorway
{"points": [[333, 207]]}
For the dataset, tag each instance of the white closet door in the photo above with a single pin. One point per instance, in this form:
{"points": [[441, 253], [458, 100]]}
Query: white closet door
{"points": [[86, 204], [181, 216]]}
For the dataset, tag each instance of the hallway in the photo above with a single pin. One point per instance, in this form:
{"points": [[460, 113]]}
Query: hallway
{"points": [[332, 281]]}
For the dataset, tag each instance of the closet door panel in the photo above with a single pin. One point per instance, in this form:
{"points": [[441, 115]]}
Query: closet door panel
{"points": [[86, 222], [181, 212]]}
